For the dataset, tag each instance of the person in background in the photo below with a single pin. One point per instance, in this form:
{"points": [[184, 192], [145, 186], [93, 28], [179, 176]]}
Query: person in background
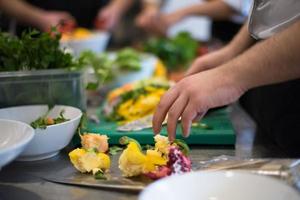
{"points": [[261, 65], [43, 14], [227, 15]]}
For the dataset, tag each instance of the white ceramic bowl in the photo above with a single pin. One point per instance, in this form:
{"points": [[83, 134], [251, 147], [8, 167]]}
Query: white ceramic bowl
{"points": [[97, 42], [46, 142], [148, 63], [222, 185], [14, 137]]}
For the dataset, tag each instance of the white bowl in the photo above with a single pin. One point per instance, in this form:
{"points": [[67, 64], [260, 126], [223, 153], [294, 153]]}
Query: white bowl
{"points": [[226, 185], [46, 142], [14, 137], [97, 43], [148, 63]]}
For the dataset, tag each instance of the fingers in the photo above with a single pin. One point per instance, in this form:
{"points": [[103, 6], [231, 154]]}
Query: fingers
{"points": [[161, 111], [174, 113], [199, 116], [188, 115], [66, 16]]}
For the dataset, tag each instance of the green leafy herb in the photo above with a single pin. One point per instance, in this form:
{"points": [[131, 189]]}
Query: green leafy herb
{"points": [[106, 68], [100, 175], [33, 50], [114, 150], [39, 123], [183, 146], [174, 52], [44, 121]]}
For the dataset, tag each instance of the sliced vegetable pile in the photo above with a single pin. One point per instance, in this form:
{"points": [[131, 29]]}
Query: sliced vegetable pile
{"points": [[163, 160], [136, 100]]}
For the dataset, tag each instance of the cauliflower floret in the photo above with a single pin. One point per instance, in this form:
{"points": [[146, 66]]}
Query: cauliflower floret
{"points": [[94, 141], [86, 161], [162, 144]]}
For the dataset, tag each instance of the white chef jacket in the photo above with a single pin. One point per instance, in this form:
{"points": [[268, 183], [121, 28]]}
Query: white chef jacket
{"points": [[272, 16]]}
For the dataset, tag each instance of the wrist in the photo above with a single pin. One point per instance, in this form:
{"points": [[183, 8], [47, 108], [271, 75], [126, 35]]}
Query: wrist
{"points": [[233, 78]]}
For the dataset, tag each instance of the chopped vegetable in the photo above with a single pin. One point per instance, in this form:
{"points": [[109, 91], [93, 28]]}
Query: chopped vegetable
{"points": [[86, 161], [94, 141], [91, 157], [136, 100], [100, 175], [162, 160], [114, 150], [44, 121]]}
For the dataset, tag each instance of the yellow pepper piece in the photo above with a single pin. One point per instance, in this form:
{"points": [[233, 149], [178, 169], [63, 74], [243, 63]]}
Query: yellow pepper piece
{"points": [[105, 164], [162, 144], [153, 158], [131, 161], [160, 69], [86, 161]]}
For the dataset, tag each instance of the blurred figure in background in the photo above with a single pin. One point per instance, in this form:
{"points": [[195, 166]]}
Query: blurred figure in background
{"points": [[43, 14], [227, 15]]}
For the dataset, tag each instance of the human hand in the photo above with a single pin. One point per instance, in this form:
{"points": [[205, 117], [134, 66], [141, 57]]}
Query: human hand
{"points": [[191, 98], [108, 17], [211, 60], [50, 19], [149, 20], [171, 18]]}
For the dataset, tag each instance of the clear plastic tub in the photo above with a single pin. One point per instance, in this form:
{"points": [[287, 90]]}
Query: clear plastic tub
{"points": [[42, 87]]}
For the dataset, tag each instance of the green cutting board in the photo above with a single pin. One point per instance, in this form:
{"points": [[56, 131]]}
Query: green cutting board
{"points": [[221, 132]]}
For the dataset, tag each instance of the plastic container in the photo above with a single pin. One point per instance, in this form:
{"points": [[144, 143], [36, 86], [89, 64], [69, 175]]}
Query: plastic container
{"points": [[42, 87]]}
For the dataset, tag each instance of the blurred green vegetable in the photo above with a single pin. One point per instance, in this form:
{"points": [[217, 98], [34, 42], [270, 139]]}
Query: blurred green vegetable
{"points": [[176, 52], [43, 121], [114, 150], [128, 59], [105, 67], [33, 50]]}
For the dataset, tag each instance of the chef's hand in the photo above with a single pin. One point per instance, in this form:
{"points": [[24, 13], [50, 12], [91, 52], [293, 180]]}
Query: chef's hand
{"points": [[211, 60], [50, 19], [148, 18], [192, 97], [108, 17], [170, 19]]}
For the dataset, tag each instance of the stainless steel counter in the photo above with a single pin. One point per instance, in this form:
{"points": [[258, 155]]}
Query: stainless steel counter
{"points": [[21, 180]]}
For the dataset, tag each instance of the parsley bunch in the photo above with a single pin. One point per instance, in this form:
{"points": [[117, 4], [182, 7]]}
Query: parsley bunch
{"points": [[33, 50]]}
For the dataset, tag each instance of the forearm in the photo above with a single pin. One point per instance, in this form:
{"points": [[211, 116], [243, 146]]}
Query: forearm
{"points": [[271, 61], [22, 11], [121, 6], [241, 41], [217, 10]]}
